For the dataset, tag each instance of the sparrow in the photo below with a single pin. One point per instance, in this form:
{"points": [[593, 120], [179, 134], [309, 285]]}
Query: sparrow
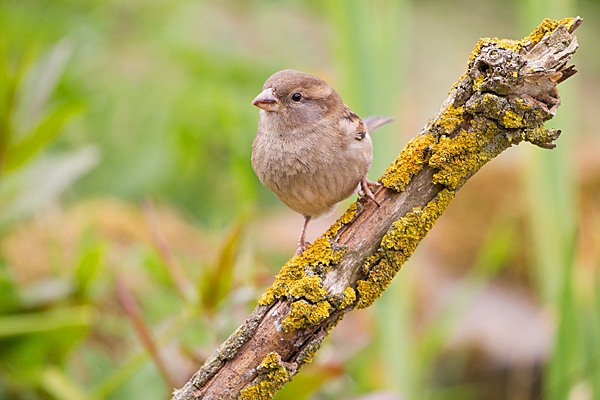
{"points": [[311, 149]]}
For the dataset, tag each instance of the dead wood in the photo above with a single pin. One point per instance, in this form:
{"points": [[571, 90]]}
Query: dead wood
{"points": [[504, 98]]}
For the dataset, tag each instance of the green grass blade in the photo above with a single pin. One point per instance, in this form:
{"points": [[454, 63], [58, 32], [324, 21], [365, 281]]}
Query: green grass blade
{"points": [[20, 324]]}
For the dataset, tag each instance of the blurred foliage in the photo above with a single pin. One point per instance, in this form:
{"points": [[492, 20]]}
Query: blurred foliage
{"points": [[104, 104]]}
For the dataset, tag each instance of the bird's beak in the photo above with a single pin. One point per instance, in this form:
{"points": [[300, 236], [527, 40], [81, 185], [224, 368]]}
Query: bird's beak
{"points": [[266, 100]]}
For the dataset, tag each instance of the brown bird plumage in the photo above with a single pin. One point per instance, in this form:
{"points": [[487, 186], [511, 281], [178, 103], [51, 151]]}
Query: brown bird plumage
{"points": [[311, 149]]}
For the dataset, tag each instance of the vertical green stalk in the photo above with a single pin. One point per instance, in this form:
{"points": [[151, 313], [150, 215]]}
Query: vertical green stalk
{"points": [[370, 46], [8, 85], [550, 175], [395, 338], [552, 188], [594, 346]]}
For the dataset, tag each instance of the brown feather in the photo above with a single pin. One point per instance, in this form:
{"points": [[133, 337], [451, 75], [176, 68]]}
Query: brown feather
{"points": [[313, 152]]}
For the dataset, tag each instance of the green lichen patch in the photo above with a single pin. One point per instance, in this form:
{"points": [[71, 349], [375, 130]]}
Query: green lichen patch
{"points": [[273, 375], [304, 314], [397, 246], [410, 162]]}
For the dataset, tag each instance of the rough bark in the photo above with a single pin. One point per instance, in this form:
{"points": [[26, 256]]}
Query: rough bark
{"points": [[504, 98]]}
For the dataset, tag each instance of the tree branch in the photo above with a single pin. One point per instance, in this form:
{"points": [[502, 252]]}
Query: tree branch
{"points": [[504, 98]]}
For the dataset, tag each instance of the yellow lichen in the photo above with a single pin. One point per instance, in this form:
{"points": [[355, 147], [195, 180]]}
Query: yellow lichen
{"points": [[349, 298], [377, 281], [417, 152], [369, 262], [455, 152], [345, 219], [273, 374], [319, 253], [450, 120], [546, 27], [511, 119], [309, 352], [309, 287], [522, 104], [301, 279], [477, 82], [290, 273], [263, 390], [299, 272], [304, 314], [409, 163], [457, 158], [398, 244]]}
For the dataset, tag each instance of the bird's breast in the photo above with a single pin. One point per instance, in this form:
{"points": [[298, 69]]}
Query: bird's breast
{"points": [[311, 173]]}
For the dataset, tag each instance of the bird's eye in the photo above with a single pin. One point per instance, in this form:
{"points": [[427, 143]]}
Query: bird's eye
{"points": [[296, 96]]}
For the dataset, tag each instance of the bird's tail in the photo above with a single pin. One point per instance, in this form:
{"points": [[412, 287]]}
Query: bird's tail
{"points": [[372, 123]]}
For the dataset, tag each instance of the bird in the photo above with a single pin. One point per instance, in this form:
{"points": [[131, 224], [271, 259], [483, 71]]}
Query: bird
{"points": [[310, 148]]}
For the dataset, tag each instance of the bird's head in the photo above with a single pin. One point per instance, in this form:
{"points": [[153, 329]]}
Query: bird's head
{"points": [[295, 98]]}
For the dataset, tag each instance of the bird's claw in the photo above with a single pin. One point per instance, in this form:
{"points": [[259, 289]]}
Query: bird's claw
{"points": [[365, 189], [301, 248]]}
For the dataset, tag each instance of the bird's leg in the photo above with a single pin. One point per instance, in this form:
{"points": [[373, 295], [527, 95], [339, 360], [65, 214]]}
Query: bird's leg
{"points": [[365, 189], [301, 241]]}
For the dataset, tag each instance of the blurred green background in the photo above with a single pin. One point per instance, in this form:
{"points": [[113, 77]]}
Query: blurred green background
{"points": [[135, 237]]}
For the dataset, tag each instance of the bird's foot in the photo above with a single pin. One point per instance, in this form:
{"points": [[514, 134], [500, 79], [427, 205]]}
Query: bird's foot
{"points": [[301, 248], [365, 189], [301, 242]]}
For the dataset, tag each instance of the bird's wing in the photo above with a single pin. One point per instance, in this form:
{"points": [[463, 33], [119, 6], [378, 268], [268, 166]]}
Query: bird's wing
{"points": [[354, 123], [373, 123]]}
